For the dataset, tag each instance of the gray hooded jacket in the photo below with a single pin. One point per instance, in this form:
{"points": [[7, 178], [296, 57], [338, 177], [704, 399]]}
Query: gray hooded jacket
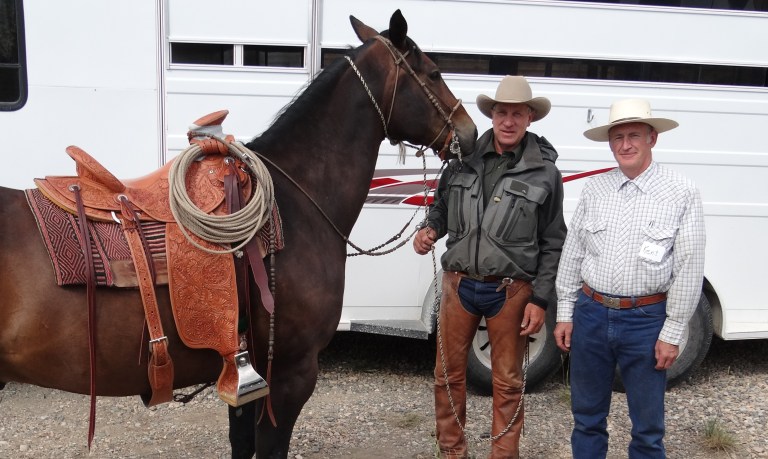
{"points": [[520, 233]]}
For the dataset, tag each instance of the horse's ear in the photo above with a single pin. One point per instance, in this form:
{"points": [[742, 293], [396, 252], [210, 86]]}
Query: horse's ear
{"points": [[398, 30], [364, 33]]}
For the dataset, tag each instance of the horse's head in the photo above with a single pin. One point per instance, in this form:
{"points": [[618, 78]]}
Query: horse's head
{"points": [[412, 99]]}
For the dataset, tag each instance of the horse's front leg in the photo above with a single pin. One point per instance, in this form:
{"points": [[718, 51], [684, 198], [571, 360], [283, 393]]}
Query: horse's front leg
{"points": [[242, 429], [292, 385]]}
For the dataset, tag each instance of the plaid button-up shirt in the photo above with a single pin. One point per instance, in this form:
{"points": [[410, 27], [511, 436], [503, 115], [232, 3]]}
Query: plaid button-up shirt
{"points": [[634, 238]]}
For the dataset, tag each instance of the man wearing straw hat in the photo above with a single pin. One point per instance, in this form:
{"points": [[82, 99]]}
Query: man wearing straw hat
{"points": [[629, 280], [502, 209]]}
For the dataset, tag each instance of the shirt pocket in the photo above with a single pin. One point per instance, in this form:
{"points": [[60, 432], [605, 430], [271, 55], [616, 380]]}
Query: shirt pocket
{"points": [[459, 204], [594, 234], [662, 236], [514, 219]]}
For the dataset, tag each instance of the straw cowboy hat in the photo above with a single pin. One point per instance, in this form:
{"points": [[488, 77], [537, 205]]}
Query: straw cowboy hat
{"points": [[629, 111], [514, 90]]}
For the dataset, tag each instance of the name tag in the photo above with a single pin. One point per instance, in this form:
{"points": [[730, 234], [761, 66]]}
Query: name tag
{"points": [[651, 251]]}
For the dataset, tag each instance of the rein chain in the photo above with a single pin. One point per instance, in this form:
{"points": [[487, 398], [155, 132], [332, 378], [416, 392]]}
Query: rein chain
{"points": [[436, 312]]}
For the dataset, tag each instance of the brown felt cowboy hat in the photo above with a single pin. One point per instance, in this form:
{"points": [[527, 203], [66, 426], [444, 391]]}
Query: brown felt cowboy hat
{"points": [[629, 111], [514, 90]]}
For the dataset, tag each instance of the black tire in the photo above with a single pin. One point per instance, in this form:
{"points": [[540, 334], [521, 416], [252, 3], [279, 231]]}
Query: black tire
{"points": [[544, 357], [693, 348]]}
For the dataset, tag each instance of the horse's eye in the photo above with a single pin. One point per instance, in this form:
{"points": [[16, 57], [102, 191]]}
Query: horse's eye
{"points": [[435, 75]]}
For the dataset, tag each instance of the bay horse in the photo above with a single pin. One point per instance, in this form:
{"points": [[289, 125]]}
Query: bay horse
{"points": [[321, 152]]}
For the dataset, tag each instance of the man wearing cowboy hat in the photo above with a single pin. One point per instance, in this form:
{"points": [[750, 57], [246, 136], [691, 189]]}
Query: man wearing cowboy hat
{"points": [[502, 209], [629, 280]]}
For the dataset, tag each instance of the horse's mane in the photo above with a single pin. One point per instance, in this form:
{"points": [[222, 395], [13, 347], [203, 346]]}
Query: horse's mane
{"points": [[315, 93]]}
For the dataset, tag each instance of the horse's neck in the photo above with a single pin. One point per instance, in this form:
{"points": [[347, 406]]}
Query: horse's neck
{"points": [[332, 158]]}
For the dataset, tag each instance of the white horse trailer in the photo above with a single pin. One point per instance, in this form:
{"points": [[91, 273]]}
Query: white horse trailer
{"points": [[123, 80]]}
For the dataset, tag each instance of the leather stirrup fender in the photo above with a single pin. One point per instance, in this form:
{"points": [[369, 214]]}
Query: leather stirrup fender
{"points": [[160, 371]]}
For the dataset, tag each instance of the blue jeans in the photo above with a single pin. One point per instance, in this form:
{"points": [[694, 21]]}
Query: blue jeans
{"points": [[603, 338], [481, 298]]}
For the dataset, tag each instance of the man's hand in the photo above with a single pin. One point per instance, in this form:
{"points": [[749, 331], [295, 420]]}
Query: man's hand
{"points": [[666, 354], [533, 319], [563, 332], [423, 240]]}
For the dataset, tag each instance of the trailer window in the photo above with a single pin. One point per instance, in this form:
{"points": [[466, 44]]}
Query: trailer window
{"points": [[237, 55], [590, 69], [742, 5], [273, 56], [13, 74], [202, 53], [594, 69]]}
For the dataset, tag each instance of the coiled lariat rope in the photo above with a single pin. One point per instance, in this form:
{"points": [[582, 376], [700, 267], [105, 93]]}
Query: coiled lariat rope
{"points": [[238, 227]]}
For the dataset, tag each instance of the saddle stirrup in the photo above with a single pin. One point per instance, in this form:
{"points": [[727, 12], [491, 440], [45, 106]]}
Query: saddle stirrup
{"points": [[250, 385]]}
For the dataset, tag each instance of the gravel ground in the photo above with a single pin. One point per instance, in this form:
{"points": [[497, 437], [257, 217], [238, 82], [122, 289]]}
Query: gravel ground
{"points": [[374, 399]]}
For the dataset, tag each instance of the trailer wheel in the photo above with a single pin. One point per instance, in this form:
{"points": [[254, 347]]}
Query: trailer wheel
{"points": [[544, 357], [693, 348]]}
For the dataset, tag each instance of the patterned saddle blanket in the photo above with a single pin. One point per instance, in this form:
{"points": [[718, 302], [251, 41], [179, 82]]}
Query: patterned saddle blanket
{"points": [[113, 264]]}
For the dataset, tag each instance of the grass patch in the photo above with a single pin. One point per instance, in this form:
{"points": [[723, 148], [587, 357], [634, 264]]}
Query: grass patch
{"points": [[716, 437], [409, 421]]}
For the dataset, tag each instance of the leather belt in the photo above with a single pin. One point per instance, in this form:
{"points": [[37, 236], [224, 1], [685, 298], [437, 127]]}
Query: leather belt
{"points": [[481, 278], [623, 302]]}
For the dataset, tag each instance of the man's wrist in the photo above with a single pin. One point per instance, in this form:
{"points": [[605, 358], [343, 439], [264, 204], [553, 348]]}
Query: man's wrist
{"points": [[540, 302], [431, 231]]}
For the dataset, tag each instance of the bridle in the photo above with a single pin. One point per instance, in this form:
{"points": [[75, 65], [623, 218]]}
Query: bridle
{"points": [[451, 140], [451, 143]]}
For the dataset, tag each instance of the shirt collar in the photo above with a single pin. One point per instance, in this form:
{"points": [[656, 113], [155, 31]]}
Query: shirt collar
{"points": [[642, 181], [514, 153]]}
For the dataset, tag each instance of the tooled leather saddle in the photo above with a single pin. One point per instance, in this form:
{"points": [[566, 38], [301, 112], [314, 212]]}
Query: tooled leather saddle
{"points": [[203, 286]]}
